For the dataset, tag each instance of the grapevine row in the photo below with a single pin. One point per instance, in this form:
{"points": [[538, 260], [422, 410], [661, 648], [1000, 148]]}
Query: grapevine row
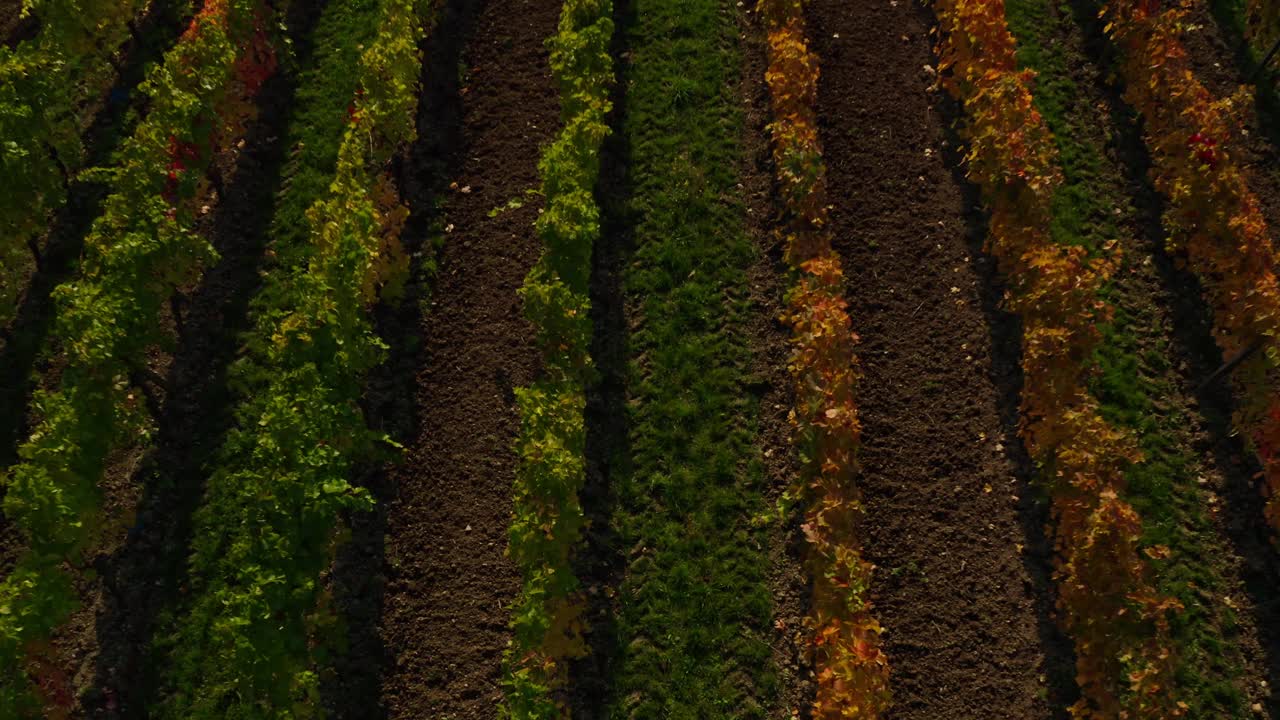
{"points": [[1118, 622], [44, 83], [137, 253], [852, 671], [548, 516], [1212, 216], [265, 531]]}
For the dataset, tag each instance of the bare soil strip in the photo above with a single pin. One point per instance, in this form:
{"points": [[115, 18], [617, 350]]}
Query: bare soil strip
{"points": [[951, 524], [448, 581]]}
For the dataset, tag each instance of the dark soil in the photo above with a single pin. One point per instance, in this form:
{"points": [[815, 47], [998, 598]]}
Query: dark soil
{"points": [[352, 686], [951, 526], [449, 583]]}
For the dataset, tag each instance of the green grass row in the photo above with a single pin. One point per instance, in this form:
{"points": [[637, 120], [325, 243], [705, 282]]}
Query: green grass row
{"points": [[1134, 379], [694, 600], [245, 643]]}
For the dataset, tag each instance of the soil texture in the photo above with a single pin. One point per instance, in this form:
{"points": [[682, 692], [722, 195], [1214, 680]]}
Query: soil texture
{"points": [[950, 526], [449, 583]]}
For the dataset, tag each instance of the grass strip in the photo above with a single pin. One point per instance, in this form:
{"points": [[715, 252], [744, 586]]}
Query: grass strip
{"points": [[694, 599]]}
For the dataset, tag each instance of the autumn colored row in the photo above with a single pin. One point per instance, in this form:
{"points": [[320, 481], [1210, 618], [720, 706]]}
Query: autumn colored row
{"points": [[1107, 604], [1212, 216], [852, 671]]}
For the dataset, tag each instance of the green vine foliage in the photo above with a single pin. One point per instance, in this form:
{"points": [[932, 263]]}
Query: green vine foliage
{"points": [[244, 649], [140, 249], [44, 84], [548, 516]]}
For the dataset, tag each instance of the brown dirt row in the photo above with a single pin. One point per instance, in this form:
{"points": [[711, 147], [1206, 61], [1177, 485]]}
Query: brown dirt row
{"points": [[951, 524], [448, 583]]}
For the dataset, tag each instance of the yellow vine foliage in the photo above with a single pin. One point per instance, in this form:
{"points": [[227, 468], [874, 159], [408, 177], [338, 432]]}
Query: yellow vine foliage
{"points": [[852, 670], [1212, 216], [1106, 602]]}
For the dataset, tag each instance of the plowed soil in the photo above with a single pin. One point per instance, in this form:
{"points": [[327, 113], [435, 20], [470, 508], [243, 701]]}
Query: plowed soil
{"points": [[951, 529], [449, 583]]}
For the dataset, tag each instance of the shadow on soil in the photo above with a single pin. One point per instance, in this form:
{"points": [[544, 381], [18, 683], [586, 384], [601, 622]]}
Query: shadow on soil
{"points": [[599, 564]]}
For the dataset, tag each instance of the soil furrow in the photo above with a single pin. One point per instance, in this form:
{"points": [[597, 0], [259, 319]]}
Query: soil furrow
{"points": [[951, 524], [449, 583]]}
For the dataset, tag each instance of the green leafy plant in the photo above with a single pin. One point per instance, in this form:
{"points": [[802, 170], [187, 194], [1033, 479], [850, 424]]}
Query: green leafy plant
{"points": [[137, 253], [283, 476], [548, 517], [45, 82]]}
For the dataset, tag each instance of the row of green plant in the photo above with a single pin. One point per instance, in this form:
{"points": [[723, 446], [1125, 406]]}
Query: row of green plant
{"points": [[138, 252], [548, 515], [693, 624], [245, 643], [1133, 376], [46, 85]]}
